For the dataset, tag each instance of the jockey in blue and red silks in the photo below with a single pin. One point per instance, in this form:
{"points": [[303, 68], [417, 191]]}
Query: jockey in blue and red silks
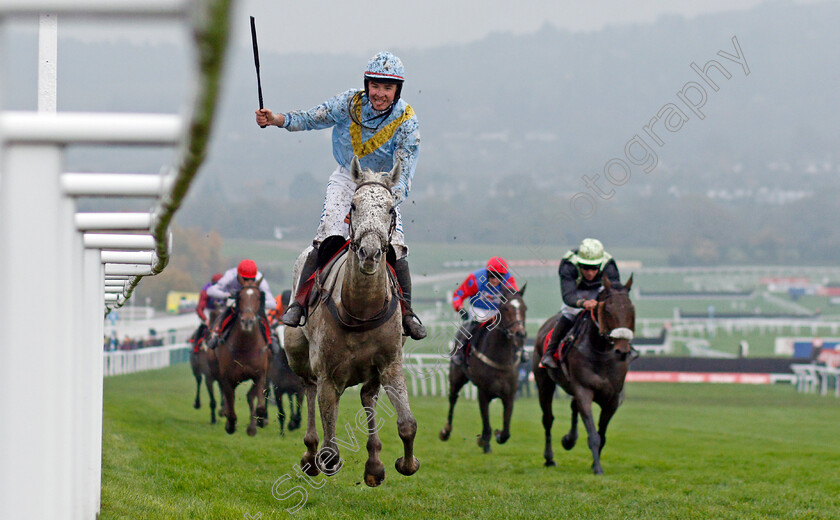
{"points": [[379, 128], [483, 289]]}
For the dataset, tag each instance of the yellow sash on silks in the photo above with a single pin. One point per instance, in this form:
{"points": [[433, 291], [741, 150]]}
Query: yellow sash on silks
{"points": [[379, 138]]}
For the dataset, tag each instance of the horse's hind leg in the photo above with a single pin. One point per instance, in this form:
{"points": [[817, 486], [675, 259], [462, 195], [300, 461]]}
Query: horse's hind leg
{"points": [[294, 410], [393, 381], [374, 469], [310, 439], [281, 414], [545, 391], [209, 384], [570, 438], [457, 380], [197, 375]]}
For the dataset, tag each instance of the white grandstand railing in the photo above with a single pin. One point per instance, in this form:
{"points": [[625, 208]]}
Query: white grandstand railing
{"points": [[52, 258], [122, 362]]}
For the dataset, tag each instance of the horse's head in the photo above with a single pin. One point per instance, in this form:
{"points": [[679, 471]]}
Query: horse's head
{"points": [[373, 216], [616, 317], [512, 315], [249, 300]]}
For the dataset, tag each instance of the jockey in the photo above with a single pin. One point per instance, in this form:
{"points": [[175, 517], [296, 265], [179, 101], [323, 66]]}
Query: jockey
{"points": [[380, 128], [204, 302], [232, 282], [483, 289], [581, 273]]}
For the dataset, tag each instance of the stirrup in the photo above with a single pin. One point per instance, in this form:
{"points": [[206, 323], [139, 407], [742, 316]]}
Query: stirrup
{"points": [[293, 316], [413, 328], [548, 360]]}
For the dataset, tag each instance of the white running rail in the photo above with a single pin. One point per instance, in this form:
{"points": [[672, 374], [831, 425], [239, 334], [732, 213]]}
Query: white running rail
{"points": [[55, 262]]}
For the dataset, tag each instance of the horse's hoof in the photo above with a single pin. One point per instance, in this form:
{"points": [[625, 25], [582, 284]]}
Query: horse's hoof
{"points": [[230, 427], [260, 422], [549, 463], [568, 442], [252, 430], [405, 468], [331, 466], [502, 437], [444, 434], [212, 420], [597, 470], [196, 405], [374, 473], [486, 448], [479, 441], [307, 464]]}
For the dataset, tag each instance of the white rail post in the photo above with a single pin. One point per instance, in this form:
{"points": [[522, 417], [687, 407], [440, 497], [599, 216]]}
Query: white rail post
{"points": [[35, 326]]}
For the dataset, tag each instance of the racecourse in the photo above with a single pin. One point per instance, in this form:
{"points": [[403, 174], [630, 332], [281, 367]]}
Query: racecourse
{"points": [[674, 451]]}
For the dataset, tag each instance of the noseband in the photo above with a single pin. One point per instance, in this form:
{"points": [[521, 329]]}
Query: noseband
{"points": [[614, 334], [385, 241]]}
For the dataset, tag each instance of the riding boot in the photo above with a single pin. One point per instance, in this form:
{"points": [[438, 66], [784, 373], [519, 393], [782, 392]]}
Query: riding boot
{"points": [[295, 312], [560, 330], [274, 345], [412, 326], [465, 333]]}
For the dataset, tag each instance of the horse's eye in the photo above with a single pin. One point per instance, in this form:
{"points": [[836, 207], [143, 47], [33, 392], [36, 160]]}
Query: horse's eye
{"points": [[393, 211]]}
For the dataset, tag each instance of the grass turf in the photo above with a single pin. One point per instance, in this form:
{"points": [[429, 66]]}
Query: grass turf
{"points": [[674, 451]]}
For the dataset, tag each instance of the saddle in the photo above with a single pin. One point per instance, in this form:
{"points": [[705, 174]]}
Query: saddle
{"points": [[477, 333]]}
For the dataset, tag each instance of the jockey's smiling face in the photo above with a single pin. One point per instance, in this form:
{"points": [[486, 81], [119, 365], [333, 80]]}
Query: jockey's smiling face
{"points": [[381, 94], [589, 271]]}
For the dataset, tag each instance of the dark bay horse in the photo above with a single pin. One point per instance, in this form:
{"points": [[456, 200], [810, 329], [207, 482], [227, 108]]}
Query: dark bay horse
{"points": [[354, 336], [205, 367], [493, 367], [243, 356], [593, 370], [285, 382]]}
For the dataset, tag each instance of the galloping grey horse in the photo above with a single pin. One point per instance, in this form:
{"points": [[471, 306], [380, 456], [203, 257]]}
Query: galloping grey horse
{"points": [[353, 335]]}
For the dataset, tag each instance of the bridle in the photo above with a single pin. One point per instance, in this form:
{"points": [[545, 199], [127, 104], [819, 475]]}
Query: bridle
{"points": [[385, 241], [615, 334]]}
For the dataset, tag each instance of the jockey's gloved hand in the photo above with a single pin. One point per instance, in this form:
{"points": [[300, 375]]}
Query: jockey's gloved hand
{"points": [[464, 315], [231, 301]]}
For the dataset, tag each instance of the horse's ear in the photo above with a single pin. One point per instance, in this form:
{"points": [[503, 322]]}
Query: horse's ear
{"points": [[356, 169], [606, 282], [395, 173], [522, 291], [629, 283]]}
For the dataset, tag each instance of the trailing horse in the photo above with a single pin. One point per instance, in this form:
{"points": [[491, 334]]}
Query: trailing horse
{"points": [[283, 380], [493, 366], [593, 369], [205, 366], [353, 335], [244, 356]]}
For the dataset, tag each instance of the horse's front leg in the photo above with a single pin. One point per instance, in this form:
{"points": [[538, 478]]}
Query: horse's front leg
{"points": [[584, 405], [607, 412], [393, 380], [545, 392], [484, 408], [457, 380], [281, 414], [328, 459], [252, 395], [310, 439], [507, 402], [262, 408], [197, 376], [374, 469], [294, 422], [227, 405]]}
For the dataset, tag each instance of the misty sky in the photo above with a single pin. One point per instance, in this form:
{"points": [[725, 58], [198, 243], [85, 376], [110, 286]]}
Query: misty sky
{"points": [[364, 27]]}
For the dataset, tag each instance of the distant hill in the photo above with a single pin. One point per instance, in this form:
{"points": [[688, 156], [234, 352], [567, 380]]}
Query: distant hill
{"points": [[513, 122]]}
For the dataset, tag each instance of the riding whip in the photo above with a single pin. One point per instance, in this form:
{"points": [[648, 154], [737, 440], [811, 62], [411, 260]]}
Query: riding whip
{"points": [[257, 62]]}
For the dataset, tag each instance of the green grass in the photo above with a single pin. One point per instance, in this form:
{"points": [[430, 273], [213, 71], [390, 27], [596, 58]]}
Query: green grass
{"points": [[674, 451]]}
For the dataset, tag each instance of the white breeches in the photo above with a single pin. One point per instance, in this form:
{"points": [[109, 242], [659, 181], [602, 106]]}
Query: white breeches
{"points": [[337, 201]]}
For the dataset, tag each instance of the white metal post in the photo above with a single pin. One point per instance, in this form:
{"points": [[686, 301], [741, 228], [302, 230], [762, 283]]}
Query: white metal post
{"points": [[34, 332], [92, 360]]}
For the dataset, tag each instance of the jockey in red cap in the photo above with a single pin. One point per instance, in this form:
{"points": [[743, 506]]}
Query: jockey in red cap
{"points": [[483, 290], [231, 283]]}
